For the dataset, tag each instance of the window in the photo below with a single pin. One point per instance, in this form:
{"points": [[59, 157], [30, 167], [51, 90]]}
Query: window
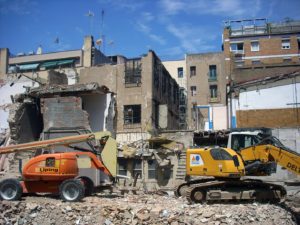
{"points": [[50, 162], [137, 168], [237, 47], [193, 71], [256, 62], [220, 154], [213, 91], [212, 72], [254, 46], [285, 44], [240, 141], [298, 40], [132, 114], [193, 90], [152, 169], [180, 72], [122, 166], [133, 72], [239, 63]]}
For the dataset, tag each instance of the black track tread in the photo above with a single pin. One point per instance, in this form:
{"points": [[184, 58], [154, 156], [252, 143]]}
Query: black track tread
{"points": [[18, 185], [190, 183], [242, 183], [79, 185]]}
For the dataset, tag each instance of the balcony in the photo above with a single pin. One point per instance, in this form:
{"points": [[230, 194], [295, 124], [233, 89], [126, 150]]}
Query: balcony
{"points": [[214, 99], [212, 76]]}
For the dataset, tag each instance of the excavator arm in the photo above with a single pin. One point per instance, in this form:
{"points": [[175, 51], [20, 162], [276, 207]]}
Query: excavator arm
{"points": [[266, 153]]}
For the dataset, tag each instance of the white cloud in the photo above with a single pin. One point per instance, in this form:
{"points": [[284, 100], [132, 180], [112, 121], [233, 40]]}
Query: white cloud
{"points": [[147, 16], [225, 8], [19, 7], [147, 31], [191, 38], [131, 5]]}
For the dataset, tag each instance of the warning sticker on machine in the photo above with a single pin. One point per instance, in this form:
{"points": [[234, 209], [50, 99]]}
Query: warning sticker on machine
{"points": [[196, 160]]}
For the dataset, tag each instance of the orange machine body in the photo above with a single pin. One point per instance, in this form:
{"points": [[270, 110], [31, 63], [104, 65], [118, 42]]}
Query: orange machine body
{"points": [[44, 173]]}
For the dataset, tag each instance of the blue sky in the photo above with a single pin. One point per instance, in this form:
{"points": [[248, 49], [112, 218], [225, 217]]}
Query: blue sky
{"points": [[131, 27]]}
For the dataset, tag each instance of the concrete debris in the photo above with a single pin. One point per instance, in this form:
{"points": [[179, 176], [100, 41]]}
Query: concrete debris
{"points": [[139, 210]]}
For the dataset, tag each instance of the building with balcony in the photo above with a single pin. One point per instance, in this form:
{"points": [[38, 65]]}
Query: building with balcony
{"points": [[206, 91], [255, 50]]}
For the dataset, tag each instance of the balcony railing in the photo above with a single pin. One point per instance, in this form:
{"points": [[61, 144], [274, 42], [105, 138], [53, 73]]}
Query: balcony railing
{"points": [[214, 99]]}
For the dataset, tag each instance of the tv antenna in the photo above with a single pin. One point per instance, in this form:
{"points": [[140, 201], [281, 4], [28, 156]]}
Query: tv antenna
{"points": [[90, 15]]}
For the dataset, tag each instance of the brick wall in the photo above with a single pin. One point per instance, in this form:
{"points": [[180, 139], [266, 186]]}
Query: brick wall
{"points": [[273, 118]]}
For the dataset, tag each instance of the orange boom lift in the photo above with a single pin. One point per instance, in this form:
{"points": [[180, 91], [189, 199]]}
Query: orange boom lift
{"points": [[72, 175]]}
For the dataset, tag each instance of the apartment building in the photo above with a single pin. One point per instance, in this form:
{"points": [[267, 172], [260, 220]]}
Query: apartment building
{"points": [[177, 69], [146, 95], [256, 50], [206, 91]]}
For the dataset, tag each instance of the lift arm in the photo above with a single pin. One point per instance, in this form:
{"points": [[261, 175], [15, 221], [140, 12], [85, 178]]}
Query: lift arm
{"points": [[270, 153], [31, 146]]}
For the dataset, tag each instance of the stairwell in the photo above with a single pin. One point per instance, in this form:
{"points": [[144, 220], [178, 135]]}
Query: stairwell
{"points": [[180, 173]]}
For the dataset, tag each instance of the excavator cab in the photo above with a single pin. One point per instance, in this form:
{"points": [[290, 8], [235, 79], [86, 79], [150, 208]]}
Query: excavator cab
{"points": [[216, 162]]}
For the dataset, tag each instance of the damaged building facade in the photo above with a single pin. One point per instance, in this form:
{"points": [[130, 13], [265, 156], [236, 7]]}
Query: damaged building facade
{"points": [[146, 95]]}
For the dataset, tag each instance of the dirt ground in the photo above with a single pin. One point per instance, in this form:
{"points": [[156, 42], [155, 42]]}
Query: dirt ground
{"points": [[144, 208]]}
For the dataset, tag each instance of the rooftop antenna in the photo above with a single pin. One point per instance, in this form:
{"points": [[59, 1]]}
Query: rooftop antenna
{"points": [[90, 15], [101, 40]]}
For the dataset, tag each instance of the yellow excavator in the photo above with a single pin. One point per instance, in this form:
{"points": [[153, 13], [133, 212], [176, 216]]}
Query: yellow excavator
{"points": [[221, 172]]}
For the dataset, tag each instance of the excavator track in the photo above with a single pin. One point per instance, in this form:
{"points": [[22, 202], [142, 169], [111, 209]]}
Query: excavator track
{"points": [[182, 188], [235, 190]]}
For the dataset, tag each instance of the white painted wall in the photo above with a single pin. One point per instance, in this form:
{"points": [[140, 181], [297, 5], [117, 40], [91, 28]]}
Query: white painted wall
{"points": [[219, 117], [5, 101], [270, 98], [97, 107]]}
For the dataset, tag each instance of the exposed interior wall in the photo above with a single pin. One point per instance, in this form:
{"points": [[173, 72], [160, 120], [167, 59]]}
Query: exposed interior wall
{"points": [[97, 107], [6, 91], [64, 112]]}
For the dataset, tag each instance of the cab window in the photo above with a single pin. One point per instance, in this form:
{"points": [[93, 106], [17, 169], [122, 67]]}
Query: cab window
{"points": [[220, 154], [240, 141], [50, 162]]}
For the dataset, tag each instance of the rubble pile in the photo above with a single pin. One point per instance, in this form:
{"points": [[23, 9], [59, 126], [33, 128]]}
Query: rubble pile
{"points": [[137, 210]]}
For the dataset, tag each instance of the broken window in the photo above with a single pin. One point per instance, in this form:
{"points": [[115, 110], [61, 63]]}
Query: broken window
{"points": [[254, 46], [212, 72], [213, 91], [193, 90], [237, 47], [133, 72], [287, 60], [132, 114], [137, 168], [180, 72], [152, 164], [193, 71], [122, 166], [285, 44]]}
